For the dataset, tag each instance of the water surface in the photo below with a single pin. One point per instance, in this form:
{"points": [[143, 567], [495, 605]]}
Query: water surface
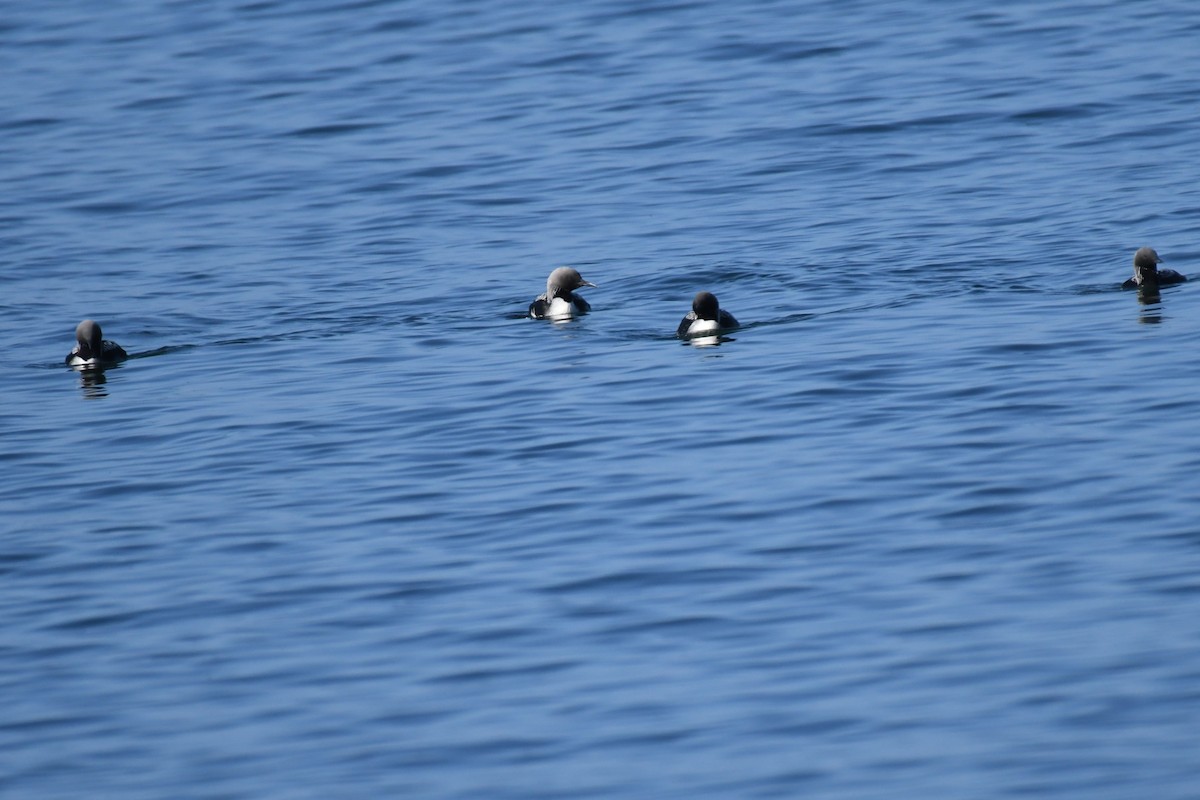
{"points": [[347, 524]]}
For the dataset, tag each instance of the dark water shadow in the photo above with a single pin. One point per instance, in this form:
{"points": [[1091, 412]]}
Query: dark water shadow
{"points": [[162, 351]]}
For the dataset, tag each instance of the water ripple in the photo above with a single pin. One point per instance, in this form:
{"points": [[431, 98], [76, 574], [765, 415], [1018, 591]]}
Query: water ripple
{"points": [[347, 522]]}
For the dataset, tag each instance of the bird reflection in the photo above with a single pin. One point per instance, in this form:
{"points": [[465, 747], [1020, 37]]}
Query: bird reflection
{"points": [[1150, 300], [92, 380], [707, 341]]}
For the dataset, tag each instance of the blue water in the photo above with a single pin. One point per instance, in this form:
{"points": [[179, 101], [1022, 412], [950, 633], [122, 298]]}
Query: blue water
{"points": [[346, 524]]}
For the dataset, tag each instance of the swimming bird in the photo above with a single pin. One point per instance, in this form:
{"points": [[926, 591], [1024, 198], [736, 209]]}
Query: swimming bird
{"points": [[92, 348], [560, 300], [1147, 274], [706, 317]]}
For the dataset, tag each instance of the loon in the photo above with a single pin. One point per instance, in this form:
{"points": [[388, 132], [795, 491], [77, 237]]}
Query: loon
{"points": [[1147, 274], [92, 348], [560, 301], [706, 317]]}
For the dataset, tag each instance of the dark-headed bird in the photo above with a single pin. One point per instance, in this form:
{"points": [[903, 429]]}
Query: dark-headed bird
{"points": [[706, 317], [1146, 273], [560, 301], [92, 348]]}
